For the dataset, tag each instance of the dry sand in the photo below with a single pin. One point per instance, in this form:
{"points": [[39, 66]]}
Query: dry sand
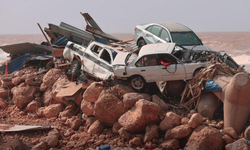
{"points": [[236, 44]]}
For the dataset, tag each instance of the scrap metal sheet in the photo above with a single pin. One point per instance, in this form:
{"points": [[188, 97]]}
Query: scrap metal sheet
{"points": [[14, 128], [69, 89], [22, 48]]}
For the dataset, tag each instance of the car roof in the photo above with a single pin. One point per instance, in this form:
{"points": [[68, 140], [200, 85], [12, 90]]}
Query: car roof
{"points": [[175, 27], [157, 49]]}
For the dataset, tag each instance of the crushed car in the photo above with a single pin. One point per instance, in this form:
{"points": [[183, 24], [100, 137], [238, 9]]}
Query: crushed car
{"points": [[167, 32], [159, 62], [96, 59]]}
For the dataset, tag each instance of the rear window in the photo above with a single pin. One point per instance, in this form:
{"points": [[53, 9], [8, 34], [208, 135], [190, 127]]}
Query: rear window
{"points": [[156, 30], [149, 28], [185, 38]]}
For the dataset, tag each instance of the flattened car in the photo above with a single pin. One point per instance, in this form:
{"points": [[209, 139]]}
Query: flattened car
{"points": [[158, 62]]}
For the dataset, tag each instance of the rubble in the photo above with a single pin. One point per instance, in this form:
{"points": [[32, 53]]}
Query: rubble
{"points": [[86, 112]]}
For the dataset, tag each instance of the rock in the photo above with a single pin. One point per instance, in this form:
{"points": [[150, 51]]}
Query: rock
{"points": [[89, 121], [3, 103], [171, 144], [74, 122], [171, 120], [59, 83], [47, 97], [14, 144], [136, 141], [238, 145], [108, 108], [184, 120], [4, 93], [51, 140], [40, 112], [247, 133], [23, 95], [124, 134], [204, 137], [95, 128], [140, 116], [51, 76], [119, 90], [116, 127], [16, 80], [87, 108], [6, 77], [40, 146], [129, 99], [33, 106], [195, 120], [43, 87], [227, 139], [53, 110], [231, 132], [151, 132], [70, 110], [164, 106], [178, 132], [92, 93], [69, 132]]}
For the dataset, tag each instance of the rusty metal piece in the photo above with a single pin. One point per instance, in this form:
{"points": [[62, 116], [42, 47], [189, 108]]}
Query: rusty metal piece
{"points": [[44, 34]]}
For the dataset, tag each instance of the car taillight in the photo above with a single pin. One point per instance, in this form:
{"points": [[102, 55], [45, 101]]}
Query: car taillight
{"points": [[135, 28]]}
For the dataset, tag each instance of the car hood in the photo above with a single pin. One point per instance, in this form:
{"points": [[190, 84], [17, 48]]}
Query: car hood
{"points": [[197, 47], [120, 58]]}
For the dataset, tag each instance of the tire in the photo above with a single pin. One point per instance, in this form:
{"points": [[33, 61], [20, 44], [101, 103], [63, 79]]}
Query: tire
{"points": [[75, 67], [141, 42], [137, 83]]}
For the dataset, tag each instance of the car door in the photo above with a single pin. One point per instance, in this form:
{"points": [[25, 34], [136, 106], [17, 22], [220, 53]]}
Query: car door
{"points": [[102, 67], [171, 68], [153, 36], [91, 57], [148, 67]]}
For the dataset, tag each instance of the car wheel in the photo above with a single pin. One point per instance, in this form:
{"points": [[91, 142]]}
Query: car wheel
{"points": [[141, 43], [137, 83], [75, 67]]}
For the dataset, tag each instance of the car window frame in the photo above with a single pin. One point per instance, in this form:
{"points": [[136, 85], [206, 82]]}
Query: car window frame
{"points": [[169, 35]]}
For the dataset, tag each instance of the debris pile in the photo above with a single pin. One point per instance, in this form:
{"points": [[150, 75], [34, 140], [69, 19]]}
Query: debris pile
{"points": [[80, 111]]}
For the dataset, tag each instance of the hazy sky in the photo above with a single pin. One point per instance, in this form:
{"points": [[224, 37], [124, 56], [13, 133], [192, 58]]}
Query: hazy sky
{"points": [[119, 16]]}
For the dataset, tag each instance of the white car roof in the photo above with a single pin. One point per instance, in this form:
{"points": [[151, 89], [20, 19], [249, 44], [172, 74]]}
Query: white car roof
{"points": [[175, 27], [157, 48]]}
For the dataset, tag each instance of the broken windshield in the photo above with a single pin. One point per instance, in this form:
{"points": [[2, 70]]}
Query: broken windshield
{"points": [[185, 38], [130, 58]]}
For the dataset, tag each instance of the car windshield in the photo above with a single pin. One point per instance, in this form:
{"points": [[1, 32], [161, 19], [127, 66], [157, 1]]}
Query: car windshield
{"points": [[185, 38], [130, 58]]}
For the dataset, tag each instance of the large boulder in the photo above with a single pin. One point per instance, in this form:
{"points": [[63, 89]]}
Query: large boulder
{"points": [[70, 110], [51, 76], [108, 108], [140, 116], [164, 106], [171, 144], [205, 137], [238, 145], [3, 103], [59, 83], [87, 108], [53, 110], [178, 132], [129, 99], [23, 95], [92, 93], [171, 120], [16, 80]]}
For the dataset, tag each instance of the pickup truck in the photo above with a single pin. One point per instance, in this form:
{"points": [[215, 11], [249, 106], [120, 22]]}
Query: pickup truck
{"points": [[96, 59]]}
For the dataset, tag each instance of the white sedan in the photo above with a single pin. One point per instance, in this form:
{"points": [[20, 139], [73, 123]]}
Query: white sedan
{"points": [[157, 62]]}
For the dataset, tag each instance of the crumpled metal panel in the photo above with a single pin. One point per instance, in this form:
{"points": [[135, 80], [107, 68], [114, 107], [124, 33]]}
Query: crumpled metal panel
{"points": [[23, 48]]}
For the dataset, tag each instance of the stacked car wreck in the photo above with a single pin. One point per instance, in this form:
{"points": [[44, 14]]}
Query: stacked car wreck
{"points": [[96, 90]]}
